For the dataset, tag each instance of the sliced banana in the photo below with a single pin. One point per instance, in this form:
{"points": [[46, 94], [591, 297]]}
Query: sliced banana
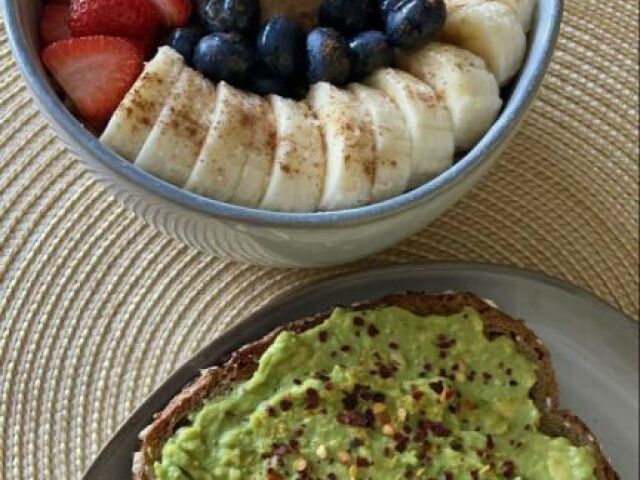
{"points": [[176, 139], [298, 171], [230, 143], [524, 10], [470, 91], [133, 120], [392, 142], [260, 152], [349, 147], [427, 119], [491, 30]]}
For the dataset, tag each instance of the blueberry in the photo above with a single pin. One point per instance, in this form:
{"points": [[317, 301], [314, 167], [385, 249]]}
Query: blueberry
{"points": [[369, 52], [280, 46], [223, 56], [184, 41], [328, 57], [413, 23], [265, 84], [227, 16], [387, 6], [348, 16]]}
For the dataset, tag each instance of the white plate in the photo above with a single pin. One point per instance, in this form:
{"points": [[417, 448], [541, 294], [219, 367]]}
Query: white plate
{"points": [[594, 348]]}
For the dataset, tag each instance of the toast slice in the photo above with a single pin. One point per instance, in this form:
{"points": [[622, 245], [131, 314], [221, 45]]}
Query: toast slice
{"points": [[241, 365]]}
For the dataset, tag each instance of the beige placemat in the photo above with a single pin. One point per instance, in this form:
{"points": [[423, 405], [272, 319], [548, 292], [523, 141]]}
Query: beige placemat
{"points": [[96, 307]]}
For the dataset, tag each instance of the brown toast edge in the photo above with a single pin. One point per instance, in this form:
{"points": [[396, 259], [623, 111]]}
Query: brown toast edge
{"points": [[241, 364]]}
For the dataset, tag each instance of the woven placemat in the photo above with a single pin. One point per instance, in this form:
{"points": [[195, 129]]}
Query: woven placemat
{"points": [[96, 308]]}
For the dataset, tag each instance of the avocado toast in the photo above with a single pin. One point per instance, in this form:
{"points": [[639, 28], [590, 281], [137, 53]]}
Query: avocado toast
{"points": [[386, 435]]}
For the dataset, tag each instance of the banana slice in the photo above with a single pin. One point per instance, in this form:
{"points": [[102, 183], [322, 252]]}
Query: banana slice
{"points": [[462, 79], [238, 117], [491, 30], [297, 178], [524, 10], [257, 169], [392, 142], [349, 147], [133, 120], [427, 119], [176, 139]]}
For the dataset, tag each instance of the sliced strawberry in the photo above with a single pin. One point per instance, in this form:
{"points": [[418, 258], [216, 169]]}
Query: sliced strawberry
{"points": [[174, 13], [95, 72], [54, 23], [135, 19]]}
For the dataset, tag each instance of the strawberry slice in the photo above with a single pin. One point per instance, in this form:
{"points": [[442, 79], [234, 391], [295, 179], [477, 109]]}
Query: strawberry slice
{"points": [[174, 13], [135, 19], [54, 23], [95, 72]]}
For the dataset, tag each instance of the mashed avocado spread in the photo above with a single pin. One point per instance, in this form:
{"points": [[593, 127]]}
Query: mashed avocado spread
{"points": [[380, 394]]}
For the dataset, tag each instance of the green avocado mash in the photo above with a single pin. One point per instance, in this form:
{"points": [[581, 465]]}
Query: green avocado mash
{"points": [[380, 394]]}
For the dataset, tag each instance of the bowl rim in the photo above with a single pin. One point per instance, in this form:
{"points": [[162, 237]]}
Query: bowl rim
{"points": [[530, 78]]}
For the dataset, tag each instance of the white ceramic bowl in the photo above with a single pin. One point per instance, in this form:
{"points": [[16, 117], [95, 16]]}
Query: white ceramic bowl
{"points": [[261, 237]]}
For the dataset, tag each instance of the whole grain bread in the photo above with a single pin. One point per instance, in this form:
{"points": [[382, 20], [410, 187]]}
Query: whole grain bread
{"points": [[241, 365]]}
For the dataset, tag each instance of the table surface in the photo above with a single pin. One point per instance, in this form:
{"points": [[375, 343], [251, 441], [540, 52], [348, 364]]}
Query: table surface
{"points": [[96, 307]]}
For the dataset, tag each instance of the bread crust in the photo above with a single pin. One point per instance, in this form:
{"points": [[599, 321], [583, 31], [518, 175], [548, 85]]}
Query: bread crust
{"points": [[241, 365]]}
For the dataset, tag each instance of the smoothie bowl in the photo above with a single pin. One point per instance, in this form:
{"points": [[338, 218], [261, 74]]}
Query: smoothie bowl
{"points": [[285, 133]]}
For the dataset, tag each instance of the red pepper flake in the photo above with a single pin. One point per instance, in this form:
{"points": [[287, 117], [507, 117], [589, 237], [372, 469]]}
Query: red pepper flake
{"points": [[350, 401], [345, 348], [323, 336], [271, 412], [362, 462], [358, 321], [273, 475], [445, 344], [353, 419], [437, 428], [321, 376], [401, 442], [373, 331], [355, 443], [394, 346], [513, 383], [286, 404], [417, 395], [437, 387], [489, 445], [385, 371], [280, 449], [378, 397], [509, 469], [312, 399]]}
